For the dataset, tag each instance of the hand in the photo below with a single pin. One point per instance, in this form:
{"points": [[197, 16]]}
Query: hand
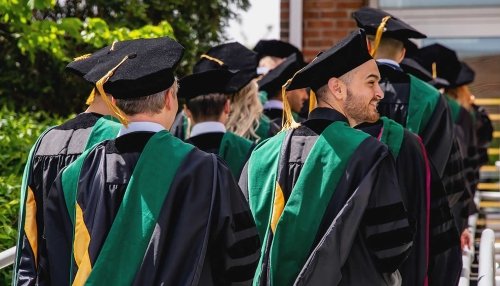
{"points": [[466, 240]]}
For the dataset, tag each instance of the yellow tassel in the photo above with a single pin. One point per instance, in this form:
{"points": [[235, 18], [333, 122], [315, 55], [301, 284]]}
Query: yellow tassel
{"points": [[288, 120], [113, 45], [100, 88], [434, 70], [91, 97], [312, 100], [378, 35], [82, 57], [221, 63]]}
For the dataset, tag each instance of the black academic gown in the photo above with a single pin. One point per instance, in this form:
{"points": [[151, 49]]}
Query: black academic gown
{"points": [[204, 233], [417, 181], [211, 142], [364, 234], [58, 148], [444, 154]]}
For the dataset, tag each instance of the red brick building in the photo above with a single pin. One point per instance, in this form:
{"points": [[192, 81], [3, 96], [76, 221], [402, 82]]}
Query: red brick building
{"points": [[324, 22]]}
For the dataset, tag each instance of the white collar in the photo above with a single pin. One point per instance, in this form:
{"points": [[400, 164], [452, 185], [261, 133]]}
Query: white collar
{"points": [[273, 104], [388, 61], [140, 126], [207, 127]]}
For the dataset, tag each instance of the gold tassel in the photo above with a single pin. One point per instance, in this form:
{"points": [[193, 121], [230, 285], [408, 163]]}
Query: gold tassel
{"points": [[100, 87], [288, 120], [204, 56], [434, 70], [378, 35], [312, 100], [91, 97], [113, 45], [82, 57]]}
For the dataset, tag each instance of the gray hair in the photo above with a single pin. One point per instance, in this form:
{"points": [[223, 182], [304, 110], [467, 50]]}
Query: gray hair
{"points": [[151, 104]]}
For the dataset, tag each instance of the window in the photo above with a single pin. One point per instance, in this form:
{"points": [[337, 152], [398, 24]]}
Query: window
{"points": [[468, 47]]}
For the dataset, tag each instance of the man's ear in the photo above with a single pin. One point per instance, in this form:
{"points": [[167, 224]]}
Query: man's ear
{"points": [[227, 107], [336, 87], [401, 55], [169, 99], [188, 113]]}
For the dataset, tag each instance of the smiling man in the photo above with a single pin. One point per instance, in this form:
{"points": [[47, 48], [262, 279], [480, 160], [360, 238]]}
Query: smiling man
{"points": [[335, 190]]}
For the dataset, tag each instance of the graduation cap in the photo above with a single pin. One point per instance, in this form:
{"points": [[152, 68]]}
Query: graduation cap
{"points": [[441, 61], [140, 67], [413, 67], [272, 81], [205, 82], [346, 55], [233, 56], [380, 23], [130, 69], [276, 48], [343, 57], [465, 76]]}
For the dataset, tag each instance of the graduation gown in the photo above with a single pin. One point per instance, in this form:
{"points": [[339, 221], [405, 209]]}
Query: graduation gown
{"points": [[330, 211], [276, 115], [421, 109], [235, 150], [55, 149], [484, 132], [267, 128], [418, 180], [183, 216]]}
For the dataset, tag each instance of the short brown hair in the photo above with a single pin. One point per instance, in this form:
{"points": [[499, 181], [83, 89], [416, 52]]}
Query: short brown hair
{"points": [[207, 107], [151, 104]]}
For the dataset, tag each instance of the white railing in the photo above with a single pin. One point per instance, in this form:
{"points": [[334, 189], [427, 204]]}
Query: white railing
{"points": [[7, 257], [486, 276]]}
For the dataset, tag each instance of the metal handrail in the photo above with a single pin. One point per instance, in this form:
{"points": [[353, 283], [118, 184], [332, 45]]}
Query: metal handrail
{"points": [[486, 276], [7, 257]]}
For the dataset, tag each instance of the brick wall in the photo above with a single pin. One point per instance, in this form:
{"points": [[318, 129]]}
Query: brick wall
{"points": [[325, 22]]}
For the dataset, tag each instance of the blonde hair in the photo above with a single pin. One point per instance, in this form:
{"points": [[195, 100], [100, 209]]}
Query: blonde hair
{"points": [[246, 110]]}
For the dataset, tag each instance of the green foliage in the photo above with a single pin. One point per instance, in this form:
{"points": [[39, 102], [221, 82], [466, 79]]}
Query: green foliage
{"points": [[39, 37], [19, 132]]}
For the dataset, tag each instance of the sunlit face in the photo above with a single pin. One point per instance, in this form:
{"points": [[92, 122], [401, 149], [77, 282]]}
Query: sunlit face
{"points": [[296, 98], [269, 63], [364, 93]]}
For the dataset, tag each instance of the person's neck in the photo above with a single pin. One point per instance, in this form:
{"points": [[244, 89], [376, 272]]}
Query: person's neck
{"points": [[98, 106], [339, 109]]}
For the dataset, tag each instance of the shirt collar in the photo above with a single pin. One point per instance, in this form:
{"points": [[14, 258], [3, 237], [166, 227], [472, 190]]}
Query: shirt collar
{"points": [[326, 114], [273, 104], [388, 62], [140, 126], [207, 127]]}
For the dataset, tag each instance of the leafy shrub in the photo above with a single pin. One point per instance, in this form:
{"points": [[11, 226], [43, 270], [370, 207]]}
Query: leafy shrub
{"points": [[19, 131]]}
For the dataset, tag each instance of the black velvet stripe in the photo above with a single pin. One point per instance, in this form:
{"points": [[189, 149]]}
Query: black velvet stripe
{"points": [[387, 240], [244, 247], [81, 121], [242, 221], [236, 273], [439, 216], [444, 241], [385, 214], [387, 265]]}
